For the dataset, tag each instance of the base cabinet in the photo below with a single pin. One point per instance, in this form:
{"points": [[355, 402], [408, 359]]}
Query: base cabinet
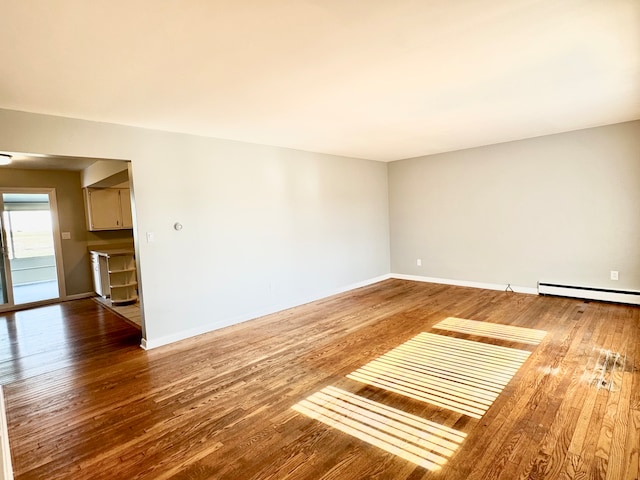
{"points": [[115, 276], [100, 272]]}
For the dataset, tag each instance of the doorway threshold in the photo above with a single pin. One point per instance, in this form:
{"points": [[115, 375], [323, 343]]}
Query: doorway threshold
{"points": [[130, 313]]}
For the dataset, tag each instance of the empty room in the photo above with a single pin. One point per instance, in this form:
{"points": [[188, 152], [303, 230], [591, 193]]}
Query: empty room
{"points": [[320, 239]]}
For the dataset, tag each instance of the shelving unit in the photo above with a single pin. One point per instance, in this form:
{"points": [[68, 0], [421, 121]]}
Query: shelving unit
{"points": [[118, 268]]}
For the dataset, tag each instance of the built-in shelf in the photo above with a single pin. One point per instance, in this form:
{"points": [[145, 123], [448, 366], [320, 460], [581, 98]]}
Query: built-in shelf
{"points": [[114, 274], [123, 285], [121, 301], [122, 271]]}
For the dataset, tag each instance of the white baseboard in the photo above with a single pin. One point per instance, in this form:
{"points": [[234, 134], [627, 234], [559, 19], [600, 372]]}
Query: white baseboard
{"points": [[6, 469], [167, 339], [79, 296], [464, 283]]}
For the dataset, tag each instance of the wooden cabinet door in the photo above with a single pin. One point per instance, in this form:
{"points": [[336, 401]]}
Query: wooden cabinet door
{"points": [[104, 209], [125, 204]]}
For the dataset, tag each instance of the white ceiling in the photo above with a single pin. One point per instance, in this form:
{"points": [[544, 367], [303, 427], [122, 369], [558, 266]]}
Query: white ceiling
{"points": [[377, 79]]}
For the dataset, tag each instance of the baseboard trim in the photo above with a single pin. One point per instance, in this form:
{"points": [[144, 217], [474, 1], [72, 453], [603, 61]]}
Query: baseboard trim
{"points": [[176, 337], [465, 283], [6, 468], [78, 296]]}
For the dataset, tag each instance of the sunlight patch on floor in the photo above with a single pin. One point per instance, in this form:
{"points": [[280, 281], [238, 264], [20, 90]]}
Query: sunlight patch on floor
{"points": [[492, 330], [459, 375], [415, 439]]}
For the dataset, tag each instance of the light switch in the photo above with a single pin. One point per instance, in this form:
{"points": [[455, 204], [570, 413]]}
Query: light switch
{"points": [[66, 235], [151, 237]]}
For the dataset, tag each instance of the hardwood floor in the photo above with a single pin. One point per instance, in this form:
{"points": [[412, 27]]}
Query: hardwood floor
{"points": [[59, 337], [86, 403], [130, 312]]}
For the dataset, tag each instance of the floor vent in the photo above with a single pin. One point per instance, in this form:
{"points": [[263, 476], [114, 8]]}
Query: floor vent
{"points": [[590, 293]]}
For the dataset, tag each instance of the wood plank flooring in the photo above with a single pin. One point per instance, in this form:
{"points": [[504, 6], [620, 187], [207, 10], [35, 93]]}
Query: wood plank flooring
{"points": [[87, 403], [59, 337], [130, 312]]}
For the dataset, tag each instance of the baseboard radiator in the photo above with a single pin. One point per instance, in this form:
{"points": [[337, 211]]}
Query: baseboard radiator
{"points": [[589, 293]]}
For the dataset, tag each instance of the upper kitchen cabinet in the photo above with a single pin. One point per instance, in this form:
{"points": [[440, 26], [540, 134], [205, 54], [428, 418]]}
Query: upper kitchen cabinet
{"points": [[107, 196], [108, 208]]}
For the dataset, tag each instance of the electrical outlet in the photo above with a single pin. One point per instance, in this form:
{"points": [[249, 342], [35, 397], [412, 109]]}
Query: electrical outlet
{"points": [[614, 275], [419, 262]]}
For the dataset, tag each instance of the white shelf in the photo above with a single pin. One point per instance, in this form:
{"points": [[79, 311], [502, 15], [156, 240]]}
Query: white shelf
{"points": [[123, 285], [123, 271], [125, 300]]}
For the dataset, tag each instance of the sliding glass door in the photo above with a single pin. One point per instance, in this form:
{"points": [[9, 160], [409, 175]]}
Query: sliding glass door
{"points": [[4, 290], [29, 263]]}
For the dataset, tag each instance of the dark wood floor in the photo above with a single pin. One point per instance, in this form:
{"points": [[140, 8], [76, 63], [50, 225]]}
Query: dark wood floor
{"points": [[84, 402]]}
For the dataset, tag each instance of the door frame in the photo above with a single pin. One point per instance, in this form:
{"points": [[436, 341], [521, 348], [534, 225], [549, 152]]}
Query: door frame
{"points": [[57, 248]]}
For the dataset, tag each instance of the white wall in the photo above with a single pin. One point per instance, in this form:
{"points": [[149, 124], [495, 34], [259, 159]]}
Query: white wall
{"points": [[264, 228], [562, 208]]}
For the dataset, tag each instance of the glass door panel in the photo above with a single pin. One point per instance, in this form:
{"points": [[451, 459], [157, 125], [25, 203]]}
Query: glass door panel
{"points": [[29, 248], [4, 286]]}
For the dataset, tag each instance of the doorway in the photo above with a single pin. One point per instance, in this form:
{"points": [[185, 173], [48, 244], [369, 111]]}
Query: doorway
{"points": [[30, 264]]}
